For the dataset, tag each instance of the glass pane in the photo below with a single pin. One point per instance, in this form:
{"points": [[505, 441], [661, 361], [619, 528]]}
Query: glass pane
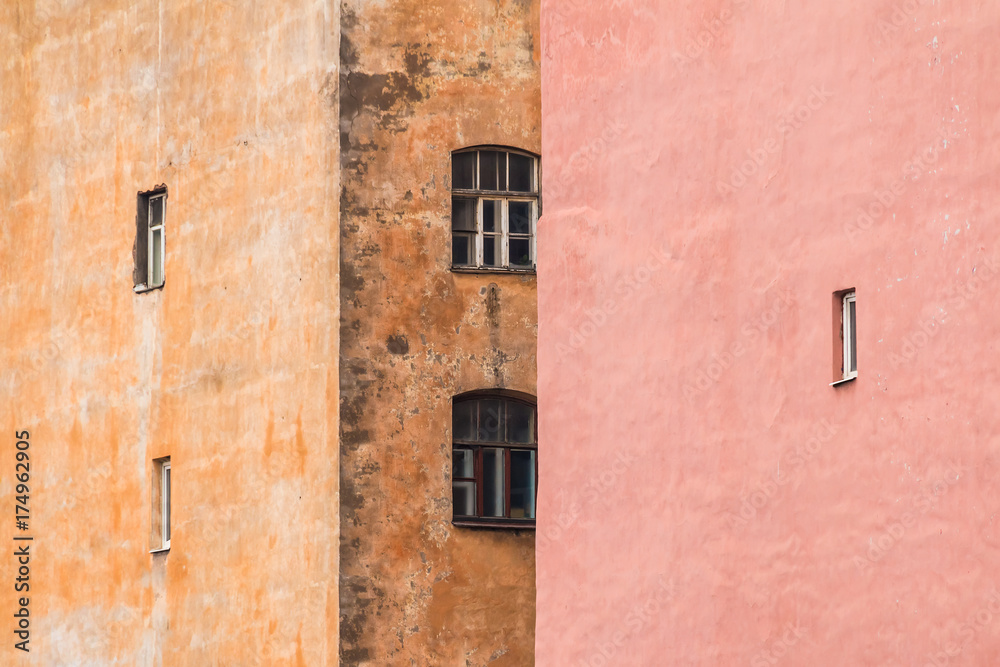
{"points": [[462, 465], [520, 217], [854, 336], [463, 214], [463, 421], [520, 252], [493, 482], [522, 484], [491, 251], [461, 248], [491, 217], [520, 422], [166, 504], [491, 166], [156, 257], [491, 421], [521, 167], [156, 211], [464, 498], [463, 171]]}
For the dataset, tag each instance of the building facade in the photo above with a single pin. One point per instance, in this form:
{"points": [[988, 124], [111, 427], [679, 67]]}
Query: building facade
{"points": [[724, 181], [234, 329], [423, 323]]}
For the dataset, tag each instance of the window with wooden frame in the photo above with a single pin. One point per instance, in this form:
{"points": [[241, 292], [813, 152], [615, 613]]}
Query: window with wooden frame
{"points": [[495, 460], [494, 209], [150, 244], [161, 505], [848, 336]]}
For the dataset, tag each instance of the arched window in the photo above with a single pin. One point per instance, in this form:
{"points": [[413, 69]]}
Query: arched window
{"points": [[495, 462], [494, 209]]}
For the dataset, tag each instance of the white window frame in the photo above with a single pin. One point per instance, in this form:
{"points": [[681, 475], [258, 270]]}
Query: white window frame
{"points": [[165, 498], [153, 229], [162, 500], [504, 197], [849, 332]]}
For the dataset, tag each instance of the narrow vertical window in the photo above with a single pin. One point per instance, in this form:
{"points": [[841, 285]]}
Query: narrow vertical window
{"points": [[849, 318], [166, 505], [161, 505], [156, 252], [150, 242]]}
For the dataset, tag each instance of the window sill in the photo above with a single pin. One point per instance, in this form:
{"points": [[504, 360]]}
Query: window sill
{"points": [[528, 524], [142, 289], [844, 381], [484, 269], [161, 550]]}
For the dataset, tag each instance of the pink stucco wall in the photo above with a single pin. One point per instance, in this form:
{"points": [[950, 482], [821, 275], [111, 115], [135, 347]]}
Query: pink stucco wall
{"points": [[713, 173]]}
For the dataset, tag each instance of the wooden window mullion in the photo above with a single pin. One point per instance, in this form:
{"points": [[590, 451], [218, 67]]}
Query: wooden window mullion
{"points": [[478, 468], [506, 482]]}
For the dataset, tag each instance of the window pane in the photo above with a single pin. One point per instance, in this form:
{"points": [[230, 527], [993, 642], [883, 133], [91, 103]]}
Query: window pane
{"points": [[166, 504], [854, 336], [463, 214], [491, 251], [156, 257], [491, 421], [464, 498], [463, 421], [463, 171], [522, 484], [491, 168], [491, 215], [461, 248], [462, 466], [520, 252], [493, 482], [155, 211], [520, 173], [520, 217], [520, 422]]}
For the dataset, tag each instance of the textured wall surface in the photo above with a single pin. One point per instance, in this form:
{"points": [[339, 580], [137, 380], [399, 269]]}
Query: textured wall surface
{"points": [[714, 172], [231, 369], [419, 80]]}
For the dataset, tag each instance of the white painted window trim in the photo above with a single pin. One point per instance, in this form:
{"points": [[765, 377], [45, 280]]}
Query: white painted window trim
{"points": [[850, 355], [504, 197], [165, 500], [153, 229]]}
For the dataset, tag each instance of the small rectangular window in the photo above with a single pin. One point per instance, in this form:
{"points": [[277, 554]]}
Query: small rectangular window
{"points": [[161, 504], [150, 244], [848, 334]]}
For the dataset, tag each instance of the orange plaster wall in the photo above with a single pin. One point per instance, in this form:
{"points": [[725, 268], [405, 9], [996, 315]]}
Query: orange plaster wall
{"points": [[231, 369]]}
